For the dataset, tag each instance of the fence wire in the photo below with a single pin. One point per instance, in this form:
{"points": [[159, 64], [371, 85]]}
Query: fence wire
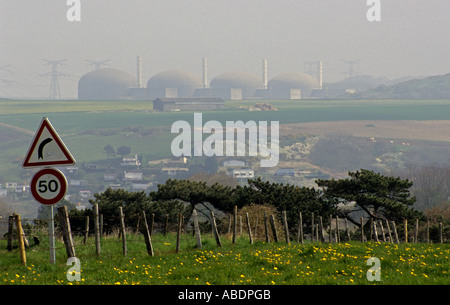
{"points": [[36, 231]]}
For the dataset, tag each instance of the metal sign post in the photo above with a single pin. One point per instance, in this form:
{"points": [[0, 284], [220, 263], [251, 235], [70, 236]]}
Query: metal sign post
{"points": [[48, 187], [51, 236]]}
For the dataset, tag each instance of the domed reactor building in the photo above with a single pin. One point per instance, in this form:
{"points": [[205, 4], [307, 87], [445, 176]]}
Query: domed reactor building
{"points": [[105, 84], [292, 85], [114, 84], [173, 84], [235, 86]]}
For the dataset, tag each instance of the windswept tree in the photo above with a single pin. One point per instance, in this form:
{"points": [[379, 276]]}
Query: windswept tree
{"points": [[381, 197], [196, 192], [286, 197]]}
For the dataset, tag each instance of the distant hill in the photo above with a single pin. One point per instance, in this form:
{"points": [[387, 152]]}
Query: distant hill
{"points": [[433, 87], [359, 83]]}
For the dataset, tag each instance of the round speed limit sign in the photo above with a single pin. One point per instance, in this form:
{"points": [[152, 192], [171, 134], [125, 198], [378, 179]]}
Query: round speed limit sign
{"points": [[48, 186]]}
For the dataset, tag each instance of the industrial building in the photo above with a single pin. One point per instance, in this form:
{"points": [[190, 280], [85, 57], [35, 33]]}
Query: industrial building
{"points": [[172, 84], [292, 86], [183, 90], [105, 84], [188, 104], [235, 86]]}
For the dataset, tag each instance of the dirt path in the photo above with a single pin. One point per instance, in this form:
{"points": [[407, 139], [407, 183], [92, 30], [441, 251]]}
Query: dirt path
{"points": [[21, 130]]}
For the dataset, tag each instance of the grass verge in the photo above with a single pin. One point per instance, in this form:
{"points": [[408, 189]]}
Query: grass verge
{"points": [[241, 263]]}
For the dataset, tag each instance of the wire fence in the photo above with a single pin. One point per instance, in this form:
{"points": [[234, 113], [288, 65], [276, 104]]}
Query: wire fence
{"points": [[109, 236]]}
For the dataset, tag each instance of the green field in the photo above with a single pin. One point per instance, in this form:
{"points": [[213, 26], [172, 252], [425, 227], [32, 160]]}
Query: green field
{"points": [[241, 263], [110, 114], [86, 127]]}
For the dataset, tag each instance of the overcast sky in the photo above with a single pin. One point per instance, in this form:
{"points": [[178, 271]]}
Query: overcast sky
{"points": [[412, 38]]}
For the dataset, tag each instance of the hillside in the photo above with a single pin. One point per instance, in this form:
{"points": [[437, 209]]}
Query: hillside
{"points": [[433, 87], [318, 139]]}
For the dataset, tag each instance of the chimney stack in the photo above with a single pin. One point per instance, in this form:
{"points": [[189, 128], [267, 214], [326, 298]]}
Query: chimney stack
{"points": [[264, 73], [139, 72], [205, 72], [319, 67]]}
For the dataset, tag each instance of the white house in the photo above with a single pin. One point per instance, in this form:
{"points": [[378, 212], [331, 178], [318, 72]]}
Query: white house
{"points": [[233, 163], [244, 173], [130, 161], [133, 176]]}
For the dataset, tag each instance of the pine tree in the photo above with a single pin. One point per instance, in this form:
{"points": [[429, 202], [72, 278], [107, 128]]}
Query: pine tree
{"points": [[381, 197]]}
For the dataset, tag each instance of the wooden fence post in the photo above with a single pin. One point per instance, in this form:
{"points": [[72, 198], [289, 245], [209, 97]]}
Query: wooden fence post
{"points": [[362, 230], [441, 239], [338, 235], [322, 238], [389, 232], [214, 229], [395, 232], [317, 231], [382, 230], [255, 233], [405, 225], [285, 225], [416, 231], [346, 229], [249, 229], [179, 231], [138, 223], [235, 220], [331, 231], [11, 219], [371, 229], [274, 228], [428, 231], [86, 230], [300, 228], [266, 228], [198, 237], [67, 234], [375, 230], [122, 229], [97, 230], [312, 227], [240, 225], [147, 236], [23, 256]]}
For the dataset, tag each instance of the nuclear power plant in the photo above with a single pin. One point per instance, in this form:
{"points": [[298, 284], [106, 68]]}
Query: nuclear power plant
{"points": [[114, 84]]}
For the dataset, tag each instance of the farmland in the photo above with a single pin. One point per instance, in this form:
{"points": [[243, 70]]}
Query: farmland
{"points": [[343, 127], [261, 263], [92, 124]]}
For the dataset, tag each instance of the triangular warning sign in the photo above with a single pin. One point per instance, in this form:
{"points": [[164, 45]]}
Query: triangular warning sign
{"points": [[47, 148]]}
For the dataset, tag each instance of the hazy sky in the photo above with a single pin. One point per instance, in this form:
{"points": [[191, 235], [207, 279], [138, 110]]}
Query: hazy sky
{"points": [[412, 38]]}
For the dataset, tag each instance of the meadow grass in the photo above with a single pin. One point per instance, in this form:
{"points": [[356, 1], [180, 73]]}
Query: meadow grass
{"points": [[242, 263]]}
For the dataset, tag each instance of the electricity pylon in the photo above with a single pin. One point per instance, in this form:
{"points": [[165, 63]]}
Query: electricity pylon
{"points": [[54, 92]]}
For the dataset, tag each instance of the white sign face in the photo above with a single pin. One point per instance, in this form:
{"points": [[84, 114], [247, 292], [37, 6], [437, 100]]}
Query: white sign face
{"points": [[48, 186], [47, 148]]}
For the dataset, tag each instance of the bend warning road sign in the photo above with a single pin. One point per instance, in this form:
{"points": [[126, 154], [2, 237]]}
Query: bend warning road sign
{"points": [[47, 148], [48, 186]]}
